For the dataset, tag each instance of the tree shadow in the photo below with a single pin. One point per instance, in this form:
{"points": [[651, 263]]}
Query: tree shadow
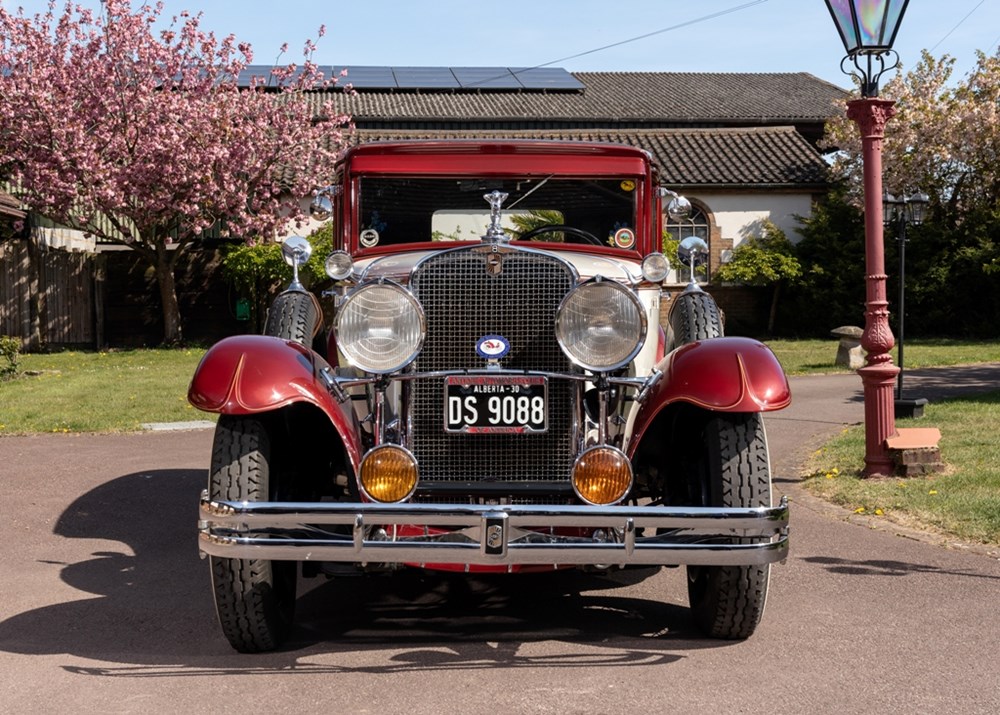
{"points": [[153, 613], [884, 567]]}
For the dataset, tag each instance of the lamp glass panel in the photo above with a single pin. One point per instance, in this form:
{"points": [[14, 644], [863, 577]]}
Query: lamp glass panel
{"points": [[843, 16], [867, 24]]}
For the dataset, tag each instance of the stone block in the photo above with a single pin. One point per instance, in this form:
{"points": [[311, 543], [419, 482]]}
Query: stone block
{"points": [[849, 351]]}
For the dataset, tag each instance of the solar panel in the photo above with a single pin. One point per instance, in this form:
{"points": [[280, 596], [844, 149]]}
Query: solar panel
{"points": [[366, 77], [251, 71], [485, 78], [415, 78], [546, 78], [424, 78]]}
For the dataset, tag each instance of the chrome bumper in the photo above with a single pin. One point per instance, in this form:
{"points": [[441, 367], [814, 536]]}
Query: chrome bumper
{"points": [[492, 535]]}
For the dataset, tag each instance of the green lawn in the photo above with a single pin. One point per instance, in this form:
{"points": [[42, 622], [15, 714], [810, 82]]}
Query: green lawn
{"points": [[963, 502], [801, 357], [111, 391]]}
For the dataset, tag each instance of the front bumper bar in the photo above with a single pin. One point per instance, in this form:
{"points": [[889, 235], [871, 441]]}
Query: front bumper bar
{"points": [[493, 535]]}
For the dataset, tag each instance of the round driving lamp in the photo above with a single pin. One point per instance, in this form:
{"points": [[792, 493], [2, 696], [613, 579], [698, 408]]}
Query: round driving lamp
{"points": [[655, 268], [380, 328], [339, 265], [601, 325], [388, 474], [602, 476]]}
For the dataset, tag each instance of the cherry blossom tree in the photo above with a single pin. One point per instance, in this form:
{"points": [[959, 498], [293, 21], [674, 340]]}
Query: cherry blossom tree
{"points": [[944, 139], [132, 127]]}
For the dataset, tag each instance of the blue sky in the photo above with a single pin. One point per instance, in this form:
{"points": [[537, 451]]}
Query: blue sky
{"points": [[761, 36]]}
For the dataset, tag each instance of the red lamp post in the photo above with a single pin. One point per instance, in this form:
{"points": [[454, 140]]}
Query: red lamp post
{"points": [[868, 29]]}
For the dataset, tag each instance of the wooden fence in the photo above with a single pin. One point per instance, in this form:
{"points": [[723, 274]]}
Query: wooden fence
{"points": [[47, 297], [53, 298]]}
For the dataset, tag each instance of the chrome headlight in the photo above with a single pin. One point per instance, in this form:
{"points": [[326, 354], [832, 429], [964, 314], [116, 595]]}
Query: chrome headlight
{"points": [[601, 325], [380, 328], [655, 268], [339, 265]]}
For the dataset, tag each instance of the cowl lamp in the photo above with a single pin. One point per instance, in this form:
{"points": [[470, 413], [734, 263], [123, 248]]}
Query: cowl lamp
{"points": [[868, 29]]}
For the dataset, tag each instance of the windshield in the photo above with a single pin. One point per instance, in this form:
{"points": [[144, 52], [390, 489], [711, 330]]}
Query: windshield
{"points": [[395, 210]]}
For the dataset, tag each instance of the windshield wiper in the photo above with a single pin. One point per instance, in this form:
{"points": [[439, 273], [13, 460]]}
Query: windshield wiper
{"points": [[535, 188]]}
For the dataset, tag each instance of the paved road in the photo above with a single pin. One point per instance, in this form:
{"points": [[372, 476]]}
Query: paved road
{"points": [[105, 607]]}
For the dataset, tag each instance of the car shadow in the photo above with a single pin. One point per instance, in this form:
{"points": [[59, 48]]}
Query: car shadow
{"points": [[152, 609]]}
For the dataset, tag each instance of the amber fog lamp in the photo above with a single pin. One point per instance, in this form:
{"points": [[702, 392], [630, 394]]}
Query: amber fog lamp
{"points": [[388, 474], [602, 475]]}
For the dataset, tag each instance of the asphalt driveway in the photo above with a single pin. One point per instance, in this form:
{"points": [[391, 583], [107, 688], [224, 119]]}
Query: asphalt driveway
{"points": [[105, 606]]}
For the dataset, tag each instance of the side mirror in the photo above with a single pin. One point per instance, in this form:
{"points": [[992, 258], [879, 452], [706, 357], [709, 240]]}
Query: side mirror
{"points": [[321, 207], [693, 251], [679, 209], [296, 251]]}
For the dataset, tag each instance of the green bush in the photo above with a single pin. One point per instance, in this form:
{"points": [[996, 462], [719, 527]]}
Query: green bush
{"points": [[10, 349], [258, 271]]}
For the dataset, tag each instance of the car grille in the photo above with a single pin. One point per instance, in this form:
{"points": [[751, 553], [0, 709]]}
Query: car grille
{"points": [[463, 303]]}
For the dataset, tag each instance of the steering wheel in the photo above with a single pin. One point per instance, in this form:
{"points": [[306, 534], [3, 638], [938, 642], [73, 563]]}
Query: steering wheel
{"points": [[561, 228]]}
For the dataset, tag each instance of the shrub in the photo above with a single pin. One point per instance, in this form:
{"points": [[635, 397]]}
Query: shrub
{"points": [[10, 349]]}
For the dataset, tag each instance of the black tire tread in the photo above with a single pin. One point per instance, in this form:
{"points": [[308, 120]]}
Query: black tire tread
{"points": [[728, 601], [253, 606], [293, 316], [695, 316]]}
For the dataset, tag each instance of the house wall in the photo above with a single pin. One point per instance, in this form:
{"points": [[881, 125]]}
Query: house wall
{"points": [[739, 215]]}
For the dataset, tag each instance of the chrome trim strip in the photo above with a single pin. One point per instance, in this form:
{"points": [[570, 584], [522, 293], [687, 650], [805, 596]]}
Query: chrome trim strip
{"points": [[686, 535], [638, 383]]}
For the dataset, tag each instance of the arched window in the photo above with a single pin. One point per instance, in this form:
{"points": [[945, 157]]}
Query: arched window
{"points": [[695, 225]]}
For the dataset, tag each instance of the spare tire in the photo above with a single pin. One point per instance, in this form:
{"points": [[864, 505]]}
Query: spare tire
{"points": [[294, 316], [694, 316]]}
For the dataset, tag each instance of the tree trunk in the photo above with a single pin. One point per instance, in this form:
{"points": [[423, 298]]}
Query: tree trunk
{"points": [[168, 296], [773, 314]]}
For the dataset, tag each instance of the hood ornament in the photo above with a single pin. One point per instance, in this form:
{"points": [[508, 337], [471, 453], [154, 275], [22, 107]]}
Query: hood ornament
{"points": [[495, 233]]}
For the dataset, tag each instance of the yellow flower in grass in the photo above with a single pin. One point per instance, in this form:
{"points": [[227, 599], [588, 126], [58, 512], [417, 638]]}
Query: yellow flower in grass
{"points": [[860, 510], [932, 492], [879, 512]]}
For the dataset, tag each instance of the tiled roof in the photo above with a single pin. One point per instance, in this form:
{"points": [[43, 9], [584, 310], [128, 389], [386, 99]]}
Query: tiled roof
{"points": [[772, 157], [629, 98]]}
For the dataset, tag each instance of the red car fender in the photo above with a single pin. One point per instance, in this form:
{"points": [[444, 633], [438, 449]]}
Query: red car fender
{"points": [[249, 374], [721, 374]]}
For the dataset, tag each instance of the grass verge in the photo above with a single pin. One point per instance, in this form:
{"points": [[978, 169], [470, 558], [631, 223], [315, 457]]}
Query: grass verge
{"points": [[112, 391], [804, 357], [963, 502]]}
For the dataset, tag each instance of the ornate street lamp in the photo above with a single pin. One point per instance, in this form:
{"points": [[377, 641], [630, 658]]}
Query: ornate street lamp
{"points": [[900, 212], [868, 29]]}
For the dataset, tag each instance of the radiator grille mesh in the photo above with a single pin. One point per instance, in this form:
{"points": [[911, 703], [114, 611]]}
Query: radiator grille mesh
{"points": [[463, 303]]}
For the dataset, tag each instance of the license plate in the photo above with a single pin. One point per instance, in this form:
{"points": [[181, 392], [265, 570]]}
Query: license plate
{"points": [[496, 404]]}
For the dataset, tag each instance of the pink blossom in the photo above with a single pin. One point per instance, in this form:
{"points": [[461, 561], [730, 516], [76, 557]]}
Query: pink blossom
{"points": [[100, 115]]}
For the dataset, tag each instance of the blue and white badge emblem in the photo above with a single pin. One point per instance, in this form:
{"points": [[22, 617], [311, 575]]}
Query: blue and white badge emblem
{"points": [[492, 347]]}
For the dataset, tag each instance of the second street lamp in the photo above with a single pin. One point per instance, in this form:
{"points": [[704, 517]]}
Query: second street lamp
{"points": [[900, 212]]}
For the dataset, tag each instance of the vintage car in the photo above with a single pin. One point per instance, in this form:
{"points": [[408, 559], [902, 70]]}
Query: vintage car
{"points": [[496, 393]]}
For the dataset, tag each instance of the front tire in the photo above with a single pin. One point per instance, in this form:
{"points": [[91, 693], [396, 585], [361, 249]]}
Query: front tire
{"points": [[728, 601], [254, 598]]}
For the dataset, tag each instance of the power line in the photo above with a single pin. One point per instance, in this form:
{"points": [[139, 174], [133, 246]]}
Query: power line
{"points": [[969, 14], [688, 23]]}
